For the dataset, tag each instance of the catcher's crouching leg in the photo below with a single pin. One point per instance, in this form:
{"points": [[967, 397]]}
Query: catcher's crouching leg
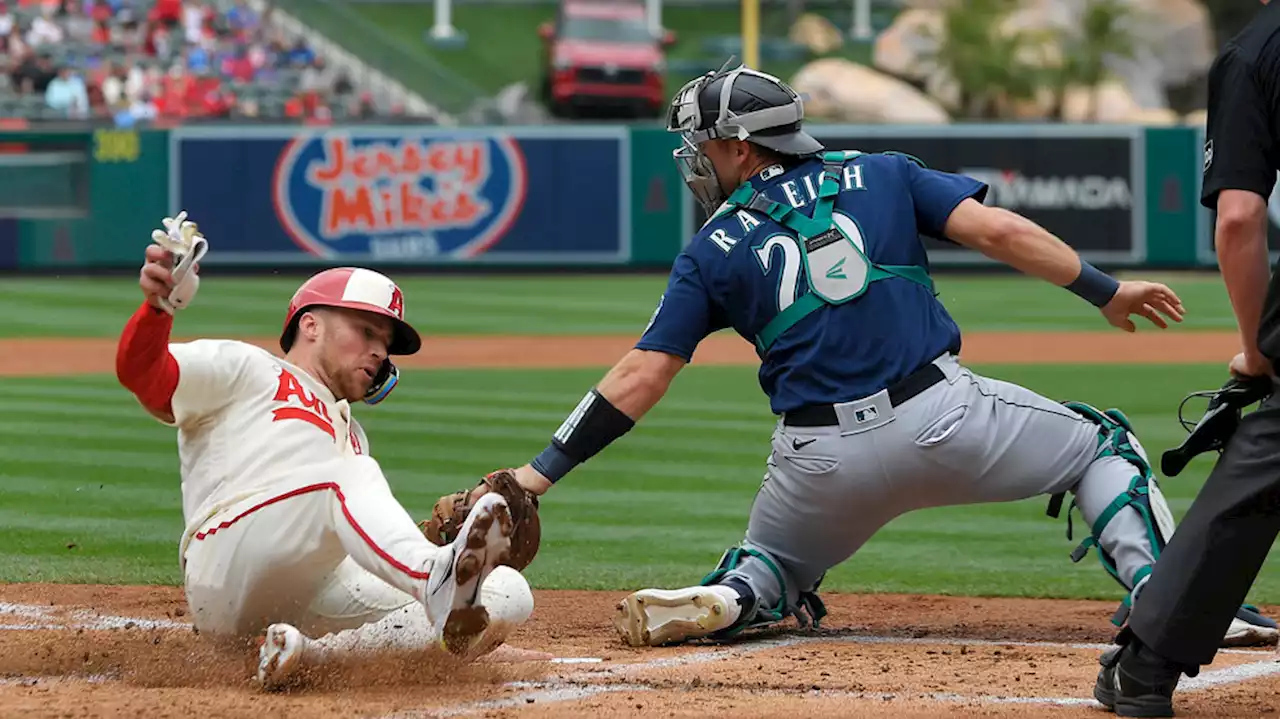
{"points": [[747, 590], [1130, 522]]}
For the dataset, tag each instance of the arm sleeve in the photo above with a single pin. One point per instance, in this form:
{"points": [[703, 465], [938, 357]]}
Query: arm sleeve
{"points": [[685, 314], [144, 365], [1238, 144], [935, 194], [208, 371]]}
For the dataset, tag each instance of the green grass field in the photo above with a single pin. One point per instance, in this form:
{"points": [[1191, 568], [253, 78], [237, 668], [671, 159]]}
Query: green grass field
{"points": [[613, 304], [89, 489]]}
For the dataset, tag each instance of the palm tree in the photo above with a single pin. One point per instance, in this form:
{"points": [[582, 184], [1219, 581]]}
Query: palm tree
{"points": [[1105, 34], [988, 65]]}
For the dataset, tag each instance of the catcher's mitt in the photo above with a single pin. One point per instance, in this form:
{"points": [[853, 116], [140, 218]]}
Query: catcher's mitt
{"points": [[451, 511]]}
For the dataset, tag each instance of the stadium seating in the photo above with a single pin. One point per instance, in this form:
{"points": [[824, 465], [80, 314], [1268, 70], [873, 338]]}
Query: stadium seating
{"points": [[163, 61]]}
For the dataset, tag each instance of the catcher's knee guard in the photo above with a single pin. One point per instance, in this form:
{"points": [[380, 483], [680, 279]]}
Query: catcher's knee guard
{"points": [[1117, 439], [808, 610]]}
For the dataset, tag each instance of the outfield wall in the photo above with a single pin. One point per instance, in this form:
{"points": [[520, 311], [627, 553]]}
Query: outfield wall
{"points": [[540, 197]]}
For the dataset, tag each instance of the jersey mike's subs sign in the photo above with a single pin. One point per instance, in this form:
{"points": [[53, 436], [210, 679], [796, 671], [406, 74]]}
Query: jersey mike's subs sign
{"points": [[398, 196], [1078, 184], [404, 195]]}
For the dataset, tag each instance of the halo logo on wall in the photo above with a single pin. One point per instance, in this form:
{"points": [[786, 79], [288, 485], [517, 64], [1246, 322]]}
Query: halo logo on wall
{"points": [[398, 195]]}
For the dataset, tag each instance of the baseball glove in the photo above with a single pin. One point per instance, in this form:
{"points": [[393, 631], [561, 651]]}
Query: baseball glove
{"points": [[451, 511]]}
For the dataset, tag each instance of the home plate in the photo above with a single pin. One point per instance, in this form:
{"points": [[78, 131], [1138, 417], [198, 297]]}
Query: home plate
{"points": [[576, 660]]}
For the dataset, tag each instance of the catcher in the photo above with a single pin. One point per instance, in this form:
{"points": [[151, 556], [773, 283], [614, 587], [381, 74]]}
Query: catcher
{"points": [[291, 526], [815, 258]]}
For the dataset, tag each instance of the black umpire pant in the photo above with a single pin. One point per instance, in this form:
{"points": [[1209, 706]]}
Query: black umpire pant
{"points": [[1218, 548]]}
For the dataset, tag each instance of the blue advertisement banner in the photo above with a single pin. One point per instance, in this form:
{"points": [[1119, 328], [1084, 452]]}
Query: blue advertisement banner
{"points": [[1086, 184], [406, 195]]}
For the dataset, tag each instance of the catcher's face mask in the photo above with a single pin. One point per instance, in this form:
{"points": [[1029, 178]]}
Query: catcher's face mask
{"points": [[687, 118]]}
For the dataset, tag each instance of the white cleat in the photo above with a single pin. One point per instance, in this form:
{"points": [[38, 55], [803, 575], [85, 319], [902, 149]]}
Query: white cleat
{"points": [[653, 617], [279, 656], [483, 542], [1250, 628], [1244, 634]]}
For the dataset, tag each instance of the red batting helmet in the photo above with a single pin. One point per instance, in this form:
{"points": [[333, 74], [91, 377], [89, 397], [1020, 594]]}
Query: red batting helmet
{"points": [[358, 289]]}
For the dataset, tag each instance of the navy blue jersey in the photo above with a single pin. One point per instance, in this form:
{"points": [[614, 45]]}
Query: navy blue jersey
{"points": [[737, 272]]}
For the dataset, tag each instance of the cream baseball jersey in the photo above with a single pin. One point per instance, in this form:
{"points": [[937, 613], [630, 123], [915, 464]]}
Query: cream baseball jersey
{"points": [[249, 423]]}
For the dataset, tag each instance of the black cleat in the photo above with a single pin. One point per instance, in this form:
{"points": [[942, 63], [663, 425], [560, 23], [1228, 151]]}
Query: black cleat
{"points": [[1135, 682]]}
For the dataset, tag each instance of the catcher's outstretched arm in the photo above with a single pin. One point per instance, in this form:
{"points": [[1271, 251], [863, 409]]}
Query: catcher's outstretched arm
{"points": [[608, 411]]}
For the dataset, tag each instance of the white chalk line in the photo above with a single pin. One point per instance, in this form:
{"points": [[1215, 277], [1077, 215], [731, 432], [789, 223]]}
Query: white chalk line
{"points": [[49, 618], [584, 684], [32, 681]]}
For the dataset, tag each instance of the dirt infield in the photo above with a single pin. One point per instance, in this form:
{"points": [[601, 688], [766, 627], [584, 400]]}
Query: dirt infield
{"points": [[82, 651], [109, 651], [51, 357]]}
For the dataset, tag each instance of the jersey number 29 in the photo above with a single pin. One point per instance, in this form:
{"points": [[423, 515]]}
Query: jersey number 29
{"points": [[789, 277]]}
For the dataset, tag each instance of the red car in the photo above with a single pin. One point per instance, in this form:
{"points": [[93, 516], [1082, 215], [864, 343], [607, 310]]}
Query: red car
{"points": [[602, 56]]}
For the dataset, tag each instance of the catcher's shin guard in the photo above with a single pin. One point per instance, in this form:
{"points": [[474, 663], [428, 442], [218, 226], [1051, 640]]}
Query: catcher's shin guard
{"points": [[1116, 439], [808, 610]]}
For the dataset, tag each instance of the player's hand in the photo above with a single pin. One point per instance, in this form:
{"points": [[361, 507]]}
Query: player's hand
{"points": [[1250, 364], [1149, 299], [527, 477], [156, 278]]}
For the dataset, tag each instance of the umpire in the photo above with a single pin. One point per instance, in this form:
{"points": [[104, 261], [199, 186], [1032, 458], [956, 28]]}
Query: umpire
{"points": [[1214, 556]]}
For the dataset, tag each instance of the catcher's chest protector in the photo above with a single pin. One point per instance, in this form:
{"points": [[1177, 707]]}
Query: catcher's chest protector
{"points": [[832, 248]]}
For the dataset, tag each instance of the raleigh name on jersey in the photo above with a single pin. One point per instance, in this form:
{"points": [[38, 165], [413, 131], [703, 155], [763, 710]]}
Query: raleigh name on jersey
{"points": [[743, 268]]}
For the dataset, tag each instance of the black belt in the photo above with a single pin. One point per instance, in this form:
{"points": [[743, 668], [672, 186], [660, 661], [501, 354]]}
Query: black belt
{"points": [[824, 415]]}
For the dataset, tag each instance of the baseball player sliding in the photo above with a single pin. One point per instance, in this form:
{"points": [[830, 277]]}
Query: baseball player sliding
{"points": [[291, 527], [815, 258]]}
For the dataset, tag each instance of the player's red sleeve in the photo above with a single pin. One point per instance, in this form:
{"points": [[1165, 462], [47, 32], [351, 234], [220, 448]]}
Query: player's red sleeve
{"points": [[144, 364]]}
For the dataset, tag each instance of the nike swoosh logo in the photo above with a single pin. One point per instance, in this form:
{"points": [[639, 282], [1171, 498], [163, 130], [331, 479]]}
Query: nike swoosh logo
{"points": [[798, 444]]}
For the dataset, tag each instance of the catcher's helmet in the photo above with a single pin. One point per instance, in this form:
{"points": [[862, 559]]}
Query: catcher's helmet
{"points": [[358, 289], [738, 104]]}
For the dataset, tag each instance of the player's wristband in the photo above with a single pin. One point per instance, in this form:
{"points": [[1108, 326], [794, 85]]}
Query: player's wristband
{"points": [[553, 463], [1093, 285], [591, 427]]}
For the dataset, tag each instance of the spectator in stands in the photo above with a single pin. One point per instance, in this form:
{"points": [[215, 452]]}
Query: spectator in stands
{"points": [[361, 107], [247, 108], [127, 33], [7, 21], [101, 34], [144, 108], [67, 95], [300, 55], [113, 86], [199, 60], [237, 66], [193, 22], [34, 73], [135, 79], [316, 77], [78, 24], [342, 84], [242, 18], [44, 28], [166, 14], [160, 43]]}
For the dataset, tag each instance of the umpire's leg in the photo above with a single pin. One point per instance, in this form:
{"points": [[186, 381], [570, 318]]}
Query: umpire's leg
{"points": [[1214, 556]]}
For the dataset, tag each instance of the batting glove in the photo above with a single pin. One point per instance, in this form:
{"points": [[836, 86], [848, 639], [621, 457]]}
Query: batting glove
{"points": [[183, 240]]}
